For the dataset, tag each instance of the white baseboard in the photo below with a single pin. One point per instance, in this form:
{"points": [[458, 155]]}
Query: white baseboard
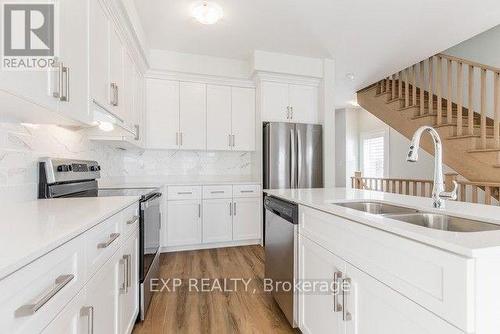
{"points": [[168, 249]]}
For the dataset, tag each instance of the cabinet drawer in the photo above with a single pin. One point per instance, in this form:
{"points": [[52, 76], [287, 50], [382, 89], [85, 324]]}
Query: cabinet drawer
{"points": [[34, 295], [130, 219], [217, 192], [440, 281], [246, 190], [184, 192], [102, 241]]}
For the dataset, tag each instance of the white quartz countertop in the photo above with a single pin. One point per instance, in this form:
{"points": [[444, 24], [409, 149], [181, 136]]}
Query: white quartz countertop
{"points": [[29, 230], [160, 181], [475, 244]]}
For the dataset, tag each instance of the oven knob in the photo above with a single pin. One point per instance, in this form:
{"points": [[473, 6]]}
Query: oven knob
{"points": [[63, 168], [93, 168], [98, 168]]}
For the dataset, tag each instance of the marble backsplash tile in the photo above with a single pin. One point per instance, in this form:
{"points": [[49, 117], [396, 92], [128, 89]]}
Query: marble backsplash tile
{"points": [[21, 146]]}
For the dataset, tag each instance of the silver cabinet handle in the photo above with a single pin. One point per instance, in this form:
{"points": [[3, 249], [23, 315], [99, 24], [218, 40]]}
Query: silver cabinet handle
{"points": [[181, 137], [234, 209], [112, 94], [230, 209], [291, 112], [177, 139], [229, 140], [346, 315], [199, 210], [57, 93], [134, 220], [64, 87], [112, 237], [217, 192], [30, 309], [123, 288], [234, 140], [129, 270], [184, 193], [246, 191], [88, 311], [337, 279], [288, 112], [117, 95]]}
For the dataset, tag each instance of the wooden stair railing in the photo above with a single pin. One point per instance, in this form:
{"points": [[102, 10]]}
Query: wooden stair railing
{"points": [[421, 85], [472, 192]]}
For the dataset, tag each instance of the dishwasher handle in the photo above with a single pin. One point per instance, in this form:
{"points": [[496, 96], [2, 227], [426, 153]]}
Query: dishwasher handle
{"points": [[286, 210]]}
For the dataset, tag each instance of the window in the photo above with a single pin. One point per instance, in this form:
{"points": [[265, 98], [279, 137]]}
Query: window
{"points": [[373, 156]]}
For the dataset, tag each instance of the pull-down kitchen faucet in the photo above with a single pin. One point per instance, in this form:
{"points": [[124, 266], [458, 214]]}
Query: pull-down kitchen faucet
{"points": [[438, 193]]}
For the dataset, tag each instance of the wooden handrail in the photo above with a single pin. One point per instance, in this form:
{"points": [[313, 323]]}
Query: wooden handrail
{"points": [[470, 62]]}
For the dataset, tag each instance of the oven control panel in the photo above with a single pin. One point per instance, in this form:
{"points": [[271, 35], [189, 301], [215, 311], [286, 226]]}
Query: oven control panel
{"points": [[67, 170]]}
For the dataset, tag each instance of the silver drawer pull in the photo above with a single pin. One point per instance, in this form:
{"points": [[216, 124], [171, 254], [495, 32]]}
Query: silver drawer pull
{"points": [[346, 282], [185, 193], [88, 311], [112, 237], [31, 309], [246, 191], [134, 220], [217, 192], [337, 279]]}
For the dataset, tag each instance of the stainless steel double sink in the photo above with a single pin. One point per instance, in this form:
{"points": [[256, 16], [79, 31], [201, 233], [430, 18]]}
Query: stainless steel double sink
{"points": [[432, 220]]}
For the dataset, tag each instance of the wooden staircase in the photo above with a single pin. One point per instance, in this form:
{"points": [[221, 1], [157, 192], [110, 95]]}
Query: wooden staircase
{"points": [[432, 93]]}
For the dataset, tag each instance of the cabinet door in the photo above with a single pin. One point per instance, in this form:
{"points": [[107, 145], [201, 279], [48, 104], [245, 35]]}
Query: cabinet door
{"points": [[274, 102], [193, 113], [162, 114], [99, 54], [377, 309], [218, 117], [129, 293], [304, 104], [72, 319], [319, 311], [246, 218], [217, 220], [116, 72], [129, 86], [243, 116], [102, 297], [74, 57], [184, 222]]}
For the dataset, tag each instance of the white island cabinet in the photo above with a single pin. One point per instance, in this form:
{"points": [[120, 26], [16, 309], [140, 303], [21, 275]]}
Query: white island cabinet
{"points": [[73, 289], [399, 277]]}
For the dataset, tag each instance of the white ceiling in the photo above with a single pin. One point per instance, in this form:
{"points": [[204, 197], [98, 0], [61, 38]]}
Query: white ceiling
{"points": [[366, 37]]}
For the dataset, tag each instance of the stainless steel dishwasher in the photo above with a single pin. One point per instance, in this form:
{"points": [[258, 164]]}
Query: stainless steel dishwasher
{"points": [[281, 250]]}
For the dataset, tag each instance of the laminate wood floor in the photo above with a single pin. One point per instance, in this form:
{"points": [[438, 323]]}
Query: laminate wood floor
{"points": [[238, 310]]}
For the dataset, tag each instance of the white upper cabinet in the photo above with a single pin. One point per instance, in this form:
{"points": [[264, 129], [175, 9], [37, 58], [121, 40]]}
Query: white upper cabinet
{"points": [[283, 102], [303, 104], [162, 114], [275, 107], [193, 113], [129, 87], [73, 60], [230, 118], [243, 118], [219, 117], [116, 74], [99, 54]]}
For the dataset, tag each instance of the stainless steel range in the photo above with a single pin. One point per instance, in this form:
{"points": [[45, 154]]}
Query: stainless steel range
{"points": [[63, 178]]}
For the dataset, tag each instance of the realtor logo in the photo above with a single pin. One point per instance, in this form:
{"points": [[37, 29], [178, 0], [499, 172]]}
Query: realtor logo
{"points": [[28, 36]]}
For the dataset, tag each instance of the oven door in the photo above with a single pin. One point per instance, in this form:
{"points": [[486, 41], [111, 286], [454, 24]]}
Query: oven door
{"points": [[149, 232]]}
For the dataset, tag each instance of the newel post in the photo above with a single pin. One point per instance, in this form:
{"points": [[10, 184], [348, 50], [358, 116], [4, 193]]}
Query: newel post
{"points": [[357, 180], [448, 180]]}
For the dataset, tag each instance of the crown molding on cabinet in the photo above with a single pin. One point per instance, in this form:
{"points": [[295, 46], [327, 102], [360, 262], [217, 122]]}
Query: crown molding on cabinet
{"points": [[200, 78], [118, 14], [286, 78]]}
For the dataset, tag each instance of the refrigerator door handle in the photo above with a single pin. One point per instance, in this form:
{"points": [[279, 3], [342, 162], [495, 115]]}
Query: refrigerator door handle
{"points": [[299, 158], [293, 160]]}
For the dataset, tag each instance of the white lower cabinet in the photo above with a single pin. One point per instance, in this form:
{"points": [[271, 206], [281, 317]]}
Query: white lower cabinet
{"points": [[184, 222], [367, 306], [246, 218], [109, 301], [217, 220]]}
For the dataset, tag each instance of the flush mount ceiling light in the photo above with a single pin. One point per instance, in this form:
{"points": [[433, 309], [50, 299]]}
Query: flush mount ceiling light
{"points": [[207, 12]]}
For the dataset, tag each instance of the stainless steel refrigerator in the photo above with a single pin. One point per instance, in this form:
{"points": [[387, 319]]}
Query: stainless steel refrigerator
{"points": [[293, 155]]}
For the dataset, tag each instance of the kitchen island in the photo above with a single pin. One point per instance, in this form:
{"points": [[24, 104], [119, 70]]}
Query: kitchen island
{"points": [[403, 278]]}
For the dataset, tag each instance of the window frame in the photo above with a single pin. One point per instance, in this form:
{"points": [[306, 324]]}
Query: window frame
{"points": [[370, 135]]}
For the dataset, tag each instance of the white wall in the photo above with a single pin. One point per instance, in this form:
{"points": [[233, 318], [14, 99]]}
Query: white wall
{"points": [[352, 123], [198, 64]]}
